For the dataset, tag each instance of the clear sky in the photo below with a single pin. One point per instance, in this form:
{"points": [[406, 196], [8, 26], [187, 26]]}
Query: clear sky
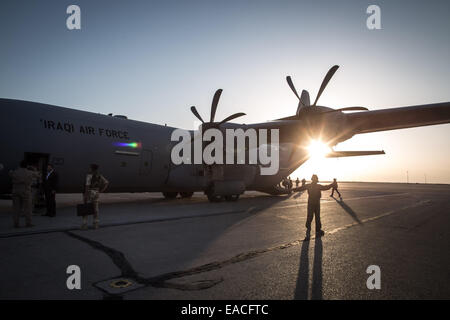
{"points": [[152, 60]]}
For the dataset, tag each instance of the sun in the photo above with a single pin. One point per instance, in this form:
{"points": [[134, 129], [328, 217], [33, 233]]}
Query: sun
{"points": [[318, 150]]}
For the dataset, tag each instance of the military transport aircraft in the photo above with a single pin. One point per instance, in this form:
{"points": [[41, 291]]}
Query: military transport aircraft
{"points": [[136, 156]]}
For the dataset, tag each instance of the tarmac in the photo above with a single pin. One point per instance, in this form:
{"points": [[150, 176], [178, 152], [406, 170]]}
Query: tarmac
{"points": [[151, 248]]}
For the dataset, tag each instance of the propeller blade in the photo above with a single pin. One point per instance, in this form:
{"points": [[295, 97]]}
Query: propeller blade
{"points": [[214, 104], [233, 116], [348, 109], [291, 85], [194, 111], [325, 81]]}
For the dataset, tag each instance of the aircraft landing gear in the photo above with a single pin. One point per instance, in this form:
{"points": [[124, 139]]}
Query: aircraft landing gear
{"points": [[214, 198], [233, 197], [170, 195], [186, 195], [218, 198]]}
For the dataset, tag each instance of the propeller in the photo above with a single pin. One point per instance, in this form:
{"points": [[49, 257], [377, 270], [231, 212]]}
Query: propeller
{"points": [[304, 103], [214, 104]]}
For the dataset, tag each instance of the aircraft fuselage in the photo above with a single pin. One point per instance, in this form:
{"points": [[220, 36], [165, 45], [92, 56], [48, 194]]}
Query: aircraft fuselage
{"points": [[133, 155]]}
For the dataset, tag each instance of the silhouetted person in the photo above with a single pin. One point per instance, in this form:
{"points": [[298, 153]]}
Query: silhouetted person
{"points": [[314, 195], [297, 182], [285, 184], [335, 188], [303, 182], [50, 188]]}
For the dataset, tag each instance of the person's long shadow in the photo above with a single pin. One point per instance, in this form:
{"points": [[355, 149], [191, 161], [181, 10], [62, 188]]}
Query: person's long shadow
{"points": [[316, 292], [348, 210], [302, 288]]}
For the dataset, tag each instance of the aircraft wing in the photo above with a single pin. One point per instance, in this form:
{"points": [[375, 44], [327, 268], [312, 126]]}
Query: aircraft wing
{"points": [[399, 118], [341, 154]]}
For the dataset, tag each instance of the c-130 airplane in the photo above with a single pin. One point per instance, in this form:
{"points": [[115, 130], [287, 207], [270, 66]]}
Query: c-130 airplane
{"points": [[136, 156]]}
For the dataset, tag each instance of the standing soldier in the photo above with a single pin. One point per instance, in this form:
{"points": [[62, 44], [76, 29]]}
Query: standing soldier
{"points": [[314, 195], [335, 188], [297, 182], [95, 184], [22, 179]]}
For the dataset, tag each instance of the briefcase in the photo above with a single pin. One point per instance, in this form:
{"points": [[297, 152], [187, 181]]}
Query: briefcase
{"points": [[85, 209]]}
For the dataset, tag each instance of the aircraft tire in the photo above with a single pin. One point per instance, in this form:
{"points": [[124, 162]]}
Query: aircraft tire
{"points": [[170, 195], [214, 198], [233, 197], [186, 194]]}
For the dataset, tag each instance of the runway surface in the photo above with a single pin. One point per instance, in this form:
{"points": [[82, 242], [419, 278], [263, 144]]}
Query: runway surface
{"points": [[249, 249]]}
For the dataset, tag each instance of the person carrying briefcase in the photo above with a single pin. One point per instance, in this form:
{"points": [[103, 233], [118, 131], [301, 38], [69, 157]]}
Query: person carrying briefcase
{"points": [[95, 184]]}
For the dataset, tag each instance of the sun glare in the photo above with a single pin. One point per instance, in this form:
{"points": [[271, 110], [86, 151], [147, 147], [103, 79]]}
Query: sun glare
{"points": [[317, 149]]}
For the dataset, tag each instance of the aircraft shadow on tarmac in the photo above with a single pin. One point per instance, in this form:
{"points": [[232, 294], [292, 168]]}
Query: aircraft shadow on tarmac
{"points": [[199, 245], [302, 287], [349, 210], [231, 222]]}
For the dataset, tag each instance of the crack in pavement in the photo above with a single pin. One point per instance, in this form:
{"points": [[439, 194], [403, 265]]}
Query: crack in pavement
{"points": [[117, 257], [163, 280], [127, 270]]}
